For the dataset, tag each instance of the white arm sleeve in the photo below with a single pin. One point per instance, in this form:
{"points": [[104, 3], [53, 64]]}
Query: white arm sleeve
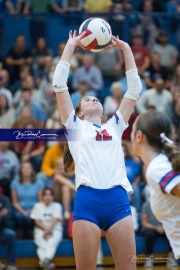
{"points": [[60, 76], [134, 84]]}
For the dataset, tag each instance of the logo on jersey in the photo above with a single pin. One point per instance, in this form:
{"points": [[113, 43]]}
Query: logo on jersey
{"points": [[103, 136]]}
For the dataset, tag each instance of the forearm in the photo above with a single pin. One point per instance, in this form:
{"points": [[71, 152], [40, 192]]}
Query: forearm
{"points": [[54, 221], [40, 225], [64, 181], [128, 57], [18, 207], [147, 225]]}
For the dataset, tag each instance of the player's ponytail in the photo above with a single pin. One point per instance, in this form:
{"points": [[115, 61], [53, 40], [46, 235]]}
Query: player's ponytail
{"points": [[173, 155], [158, 128], [67, 157]]}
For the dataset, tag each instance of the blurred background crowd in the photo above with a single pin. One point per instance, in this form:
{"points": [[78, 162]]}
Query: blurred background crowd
{"points": [[32, 37]]}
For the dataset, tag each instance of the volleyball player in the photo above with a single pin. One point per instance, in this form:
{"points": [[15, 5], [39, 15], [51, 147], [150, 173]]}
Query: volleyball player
{"points": [[101, 200], [150, 141]]}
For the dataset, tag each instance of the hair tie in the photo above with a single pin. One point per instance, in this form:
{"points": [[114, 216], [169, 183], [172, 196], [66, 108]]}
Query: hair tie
{"points": [[165, 139]]}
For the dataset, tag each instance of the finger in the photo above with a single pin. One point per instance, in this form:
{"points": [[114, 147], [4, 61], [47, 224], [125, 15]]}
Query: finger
{"points": [[74, 34], [82, 35], [70, 34]]}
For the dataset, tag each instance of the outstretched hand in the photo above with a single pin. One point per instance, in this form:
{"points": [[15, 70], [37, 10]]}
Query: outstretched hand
{"points": [[117, 44], [75, 39]]}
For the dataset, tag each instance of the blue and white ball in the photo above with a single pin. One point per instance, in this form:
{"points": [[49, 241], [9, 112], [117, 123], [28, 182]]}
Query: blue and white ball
{"points": [[98, 34]]}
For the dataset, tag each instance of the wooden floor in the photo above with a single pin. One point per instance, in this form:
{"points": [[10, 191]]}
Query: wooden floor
{"points": [[161, 267]]}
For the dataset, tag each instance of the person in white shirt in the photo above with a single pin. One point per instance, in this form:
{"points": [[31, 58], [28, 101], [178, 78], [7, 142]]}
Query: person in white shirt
{"points": [[48, 231], [102, 186], [162, 159]]}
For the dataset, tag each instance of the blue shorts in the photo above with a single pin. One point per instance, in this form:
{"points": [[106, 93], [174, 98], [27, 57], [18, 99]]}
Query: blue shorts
{"points": [[104, 207]]}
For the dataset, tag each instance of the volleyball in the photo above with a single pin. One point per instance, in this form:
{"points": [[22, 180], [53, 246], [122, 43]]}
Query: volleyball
{"points": [[98, 34]]}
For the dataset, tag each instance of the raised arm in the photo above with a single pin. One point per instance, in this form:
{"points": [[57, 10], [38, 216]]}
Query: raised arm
{"points": [[133, 80], [61, 75]]}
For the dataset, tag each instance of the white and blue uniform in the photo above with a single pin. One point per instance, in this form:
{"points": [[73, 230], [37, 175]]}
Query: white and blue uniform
{"points": [[99, 169], [166, 207]]}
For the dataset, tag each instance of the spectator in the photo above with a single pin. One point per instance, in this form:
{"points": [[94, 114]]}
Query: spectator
{"points": [[133, 171], [32, 150], [134, 217], [4, 79], [49, 161], [25, 193], [112, 102], [7, 5], [158, 97], [7, 113], [176, 78], [118, 22], [36, 95], [37, 110], [73, 6], [155, 71], [25, 115], [18, 56], [53, 122], [110, 63], [64, 186], [24, 72], [81, 92], [89, 73], [37, 24], [48, 230], [102, 6], [20, 5], [9, 167], [40, 51], [176, 109], [168, 53], [173, 6], [151, 229], [141, 53], [7, 236]]}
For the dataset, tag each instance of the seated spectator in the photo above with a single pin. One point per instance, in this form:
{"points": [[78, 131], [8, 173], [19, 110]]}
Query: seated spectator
{"points": [[7, 5], [48, 230], [20, 5], [9, 167], [81, 92], [7, 113], [173, 6], [64, 187], [25, 115], [53, 122], [133, 170], [7, 236], [151, 229], [32, 150], [37, 110], [176, 109], [4, 79], [102, 6], [18, 56], [159, 97], [36, 95], [176, 77], [24, 72], [155, 71], [134, 217], [73, 6], [168, 53], [110, 63], [49, 161], [111, 103], [90, 73], [141, 53], [25, 193], [40, 51]]}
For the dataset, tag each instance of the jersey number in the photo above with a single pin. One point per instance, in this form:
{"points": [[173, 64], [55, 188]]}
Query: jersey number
{"points": [[103, 136]]}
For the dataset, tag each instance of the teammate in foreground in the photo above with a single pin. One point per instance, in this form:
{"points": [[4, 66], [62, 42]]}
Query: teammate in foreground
{"points": [[101, 200], [161, 157]]}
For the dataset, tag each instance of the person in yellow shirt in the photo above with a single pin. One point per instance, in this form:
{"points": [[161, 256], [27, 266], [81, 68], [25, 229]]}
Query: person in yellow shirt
{"points": [[101, 6]]}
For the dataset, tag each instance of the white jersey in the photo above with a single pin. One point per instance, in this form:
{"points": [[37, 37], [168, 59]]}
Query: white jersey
{"points": [[45, 214], [97, 152], [166, 207]]}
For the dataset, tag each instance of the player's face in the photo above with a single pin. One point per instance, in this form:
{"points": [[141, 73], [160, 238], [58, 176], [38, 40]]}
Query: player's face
{"points": [[134, 141], [91, 105]]}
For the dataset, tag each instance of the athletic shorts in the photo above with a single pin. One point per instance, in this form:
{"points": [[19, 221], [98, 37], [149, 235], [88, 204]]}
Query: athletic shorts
{"points": [[104, 207]]}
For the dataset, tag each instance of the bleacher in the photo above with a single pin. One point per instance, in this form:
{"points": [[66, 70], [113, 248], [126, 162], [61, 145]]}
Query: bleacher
{"points": [[26, 252]]}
